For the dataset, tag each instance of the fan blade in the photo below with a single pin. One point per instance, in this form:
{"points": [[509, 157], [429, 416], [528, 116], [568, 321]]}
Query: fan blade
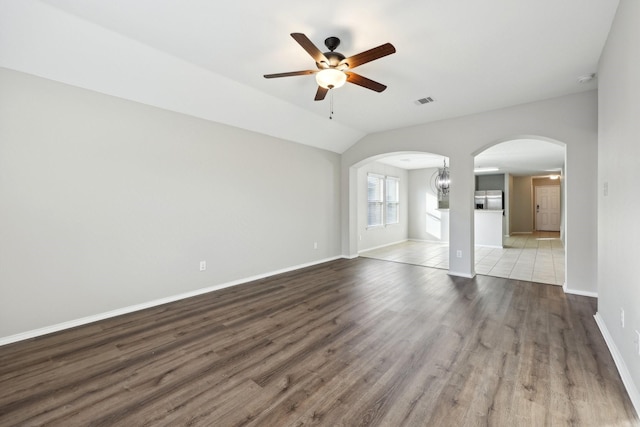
{"points": [[290, 74], [369, 55], [364, 82], [311, 49], [321, 93]]}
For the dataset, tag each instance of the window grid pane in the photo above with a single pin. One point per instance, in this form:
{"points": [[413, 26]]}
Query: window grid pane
{"points": [[374, 215], [375, 199], [392, 214]]}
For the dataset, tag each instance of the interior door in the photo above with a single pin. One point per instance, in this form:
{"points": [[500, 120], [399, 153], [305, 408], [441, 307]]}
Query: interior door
{"points": [[548, 208]]}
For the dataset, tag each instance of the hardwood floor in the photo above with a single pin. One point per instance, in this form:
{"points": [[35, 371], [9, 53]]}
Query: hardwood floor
{"points": [[350, 342]]}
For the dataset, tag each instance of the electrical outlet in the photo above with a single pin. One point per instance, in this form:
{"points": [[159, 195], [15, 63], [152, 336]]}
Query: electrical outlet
{"points": [[315, 245], [459, 254], [637, 342], [622, 317], [203, 265]]}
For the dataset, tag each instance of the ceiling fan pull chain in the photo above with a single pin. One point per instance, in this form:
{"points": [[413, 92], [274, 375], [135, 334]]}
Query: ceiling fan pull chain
{"points": [[330, 104]]}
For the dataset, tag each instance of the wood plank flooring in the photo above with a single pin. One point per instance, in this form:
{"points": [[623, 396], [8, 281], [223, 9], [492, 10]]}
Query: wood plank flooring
{"points": [[350, 342]]}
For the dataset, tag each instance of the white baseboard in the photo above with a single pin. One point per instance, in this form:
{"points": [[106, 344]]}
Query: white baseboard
{"points": [[137, 307], [632, 389], [458, 274], [383, 246], [521, 232], [428, 241], [578, 292]]}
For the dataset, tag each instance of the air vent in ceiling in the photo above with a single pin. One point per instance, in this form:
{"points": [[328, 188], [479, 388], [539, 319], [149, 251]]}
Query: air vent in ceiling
{"points": [[427, 100]]}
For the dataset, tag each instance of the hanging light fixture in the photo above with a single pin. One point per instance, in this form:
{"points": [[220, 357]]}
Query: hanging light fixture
{"points": [[442, 180]]}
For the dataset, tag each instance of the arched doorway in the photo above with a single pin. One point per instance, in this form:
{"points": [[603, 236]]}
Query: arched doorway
{"points": [[413, 226], [530, 172], [567, 119]]}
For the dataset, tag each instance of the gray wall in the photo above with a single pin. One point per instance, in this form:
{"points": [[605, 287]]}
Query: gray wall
{"points": [[106, 203], [490, 182], [618, 207], [521, 209], [419, 189], [393, 233]]}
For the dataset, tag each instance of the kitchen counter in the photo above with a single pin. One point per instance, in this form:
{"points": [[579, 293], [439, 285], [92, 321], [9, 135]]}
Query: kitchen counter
{"points": [[488, 228]]}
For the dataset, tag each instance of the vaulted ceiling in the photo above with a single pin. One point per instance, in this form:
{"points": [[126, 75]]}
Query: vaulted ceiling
{"points": [[207, 58]]}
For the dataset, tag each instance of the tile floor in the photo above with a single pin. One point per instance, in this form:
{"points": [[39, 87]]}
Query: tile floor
{"points": [[537, 257]]}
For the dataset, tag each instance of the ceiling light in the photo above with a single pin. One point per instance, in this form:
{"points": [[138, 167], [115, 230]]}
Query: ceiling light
{"points": [[553, 177], [331, 78], [490, 169]]}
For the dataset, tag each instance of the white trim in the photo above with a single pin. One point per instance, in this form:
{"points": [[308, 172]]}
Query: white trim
{"points": [[382, 246], [428, 241], [455, 273], [489, 246], [137, 307], [521, 232], [632, 390], [577, 292]]}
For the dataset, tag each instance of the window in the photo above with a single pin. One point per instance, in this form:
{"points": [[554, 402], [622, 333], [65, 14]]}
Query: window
{"points": [[392, 187], [375, 187], [383, 200]]}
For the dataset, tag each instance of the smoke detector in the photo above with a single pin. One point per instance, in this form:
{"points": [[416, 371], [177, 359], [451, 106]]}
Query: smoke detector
{"points": [[587, 78]]}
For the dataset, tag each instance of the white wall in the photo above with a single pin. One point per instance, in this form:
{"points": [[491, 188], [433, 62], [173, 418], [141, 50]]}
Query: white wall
{"points": [[618, 169], [420, 189], [381, 236], [570, 119], [107, 203]]}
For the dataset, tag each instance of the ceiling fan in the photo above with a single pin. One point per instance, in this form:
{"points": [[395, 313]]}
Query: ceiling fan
{"points": [[334, 69]]}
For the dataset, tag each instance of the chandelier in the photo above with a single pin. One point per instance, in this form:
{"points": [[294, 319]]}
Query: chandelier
{"points": [[442, 181]]}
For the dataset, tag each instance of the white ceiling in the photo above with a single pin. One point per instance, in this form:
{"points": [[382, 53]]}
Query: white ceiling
{"points": [[207, 58], [524, 157], [412, 161]]}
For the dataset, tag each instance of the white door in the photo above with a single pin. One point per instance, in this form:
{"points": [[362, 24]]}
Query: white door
{"points": [[548, 208]]}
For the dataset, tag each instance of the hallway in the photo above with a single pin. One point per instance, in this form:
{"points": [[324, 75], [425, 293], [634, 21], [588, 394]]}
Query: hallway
{"points": [[537, 257]]}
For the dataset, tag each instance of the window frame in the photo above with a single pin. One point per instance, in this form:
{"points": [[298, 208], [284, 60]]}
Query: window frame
{"points": [[395, 203], [379, 201], [383, 205]]}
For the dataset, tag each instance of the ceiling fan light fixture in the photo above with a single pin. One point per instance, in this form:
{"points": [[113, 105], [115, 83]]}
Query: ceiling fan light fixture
{"points": [[331, 78]]}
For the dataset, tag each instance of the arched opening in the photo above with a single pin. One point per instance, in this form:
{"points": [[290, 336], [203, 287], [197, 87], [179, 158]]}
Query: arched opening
{"points": [[530, 173], [401, 212], [464, 257]]}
